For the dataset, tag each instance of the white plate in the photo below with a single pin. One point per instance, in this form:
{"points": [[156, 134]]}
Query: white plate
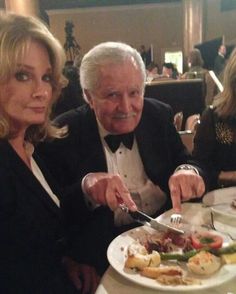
{"points": [[220, 200], [116, 254]]}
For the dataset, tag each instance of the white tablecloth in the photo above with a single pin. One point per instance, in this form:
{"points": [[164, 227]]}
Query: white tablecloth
{"points": [[114, 283]]}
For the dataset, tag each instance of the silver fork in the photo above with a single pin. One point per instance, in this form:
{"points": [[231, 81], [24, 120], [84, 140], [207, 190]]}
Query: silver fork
{"points": [[124, 207], [176, 219]]}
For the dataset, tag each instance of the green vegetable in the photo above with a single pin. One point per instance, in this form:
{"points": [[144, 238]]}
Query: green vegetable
{"points": [[206, 240], [179, 256], [185, 256], [224, 250]]}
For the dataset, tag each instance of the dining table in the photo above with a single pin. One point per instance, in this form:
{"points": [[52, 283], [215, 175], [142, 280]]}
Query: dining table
{"points": [[195, 214]]}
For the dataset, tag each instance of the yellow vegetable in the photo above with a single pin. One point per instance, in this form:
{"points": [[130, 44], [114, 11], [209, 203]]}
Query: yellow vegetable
{"points": [[229, 258]]}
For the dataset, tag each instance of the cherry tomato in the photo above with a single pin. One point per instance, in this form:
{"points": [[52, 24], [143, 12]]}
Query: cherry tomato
{"points": [[206, 239]]}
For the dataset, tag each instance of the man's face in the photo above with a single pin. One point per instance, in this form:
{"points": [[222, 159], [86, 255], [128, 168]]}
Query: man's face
{"points": [[167, 72], [118, 100], [223, 49]]}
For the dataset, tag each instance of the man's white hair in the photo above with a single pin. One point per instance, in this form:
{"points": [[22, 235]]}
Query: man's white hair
{"points": [[107, 53]]}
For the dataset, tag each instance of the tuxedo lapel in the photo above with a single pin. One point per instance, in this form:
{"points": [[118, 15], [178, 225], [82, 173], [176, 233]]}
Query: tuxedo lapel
{"points": [[11, 160], [150, 150], [93, 145], [152, 146]]}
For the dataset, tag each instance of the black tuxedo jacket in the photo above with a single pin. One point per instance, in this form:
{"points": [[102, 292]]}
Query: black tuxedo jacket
{"points": [[219, 64], [30, 228], [81, 152]]}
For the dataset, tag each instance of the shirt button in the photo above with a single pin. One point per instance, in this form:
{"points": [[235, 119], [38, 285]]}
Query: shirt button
{"points": [[125, 176]]}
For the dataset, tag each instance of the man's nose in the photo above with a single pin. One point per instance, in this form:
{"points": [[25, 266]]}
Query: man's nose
{"points": [[124, 104]]}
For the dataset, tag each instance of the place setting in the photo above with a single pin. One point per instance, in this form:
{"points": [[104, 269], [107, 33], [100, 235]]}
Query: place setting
{"points": [[173, 261], [222, 203]]}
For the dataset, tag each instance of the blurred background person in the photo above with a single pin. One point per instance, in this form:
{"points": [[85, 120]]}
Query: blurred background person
{"points": [[220, 60], [71, 95], [152, 71], [197, 71], [169, 71], [144, 54], [215, 140], [195, 66]]}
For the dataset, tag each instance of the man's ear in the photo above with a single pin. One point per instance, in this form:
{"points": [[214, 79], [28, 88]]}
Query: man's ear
{"points": [[89, 98]]}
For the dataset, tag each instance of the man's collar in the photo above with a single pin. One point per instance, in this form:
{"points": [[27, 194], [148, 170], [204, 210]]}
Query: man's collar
{"points": [[222, 55], [103, 132]]}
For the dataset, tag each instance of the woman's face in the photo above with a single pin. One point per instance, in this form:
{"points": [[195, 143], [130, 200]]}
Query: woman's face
{"points": [[25, 98]]}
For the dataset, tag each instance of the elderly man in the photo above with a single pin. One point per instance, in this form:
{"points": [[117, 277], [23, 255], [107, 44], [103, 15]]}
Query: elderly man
{"points": [[121, 147]]}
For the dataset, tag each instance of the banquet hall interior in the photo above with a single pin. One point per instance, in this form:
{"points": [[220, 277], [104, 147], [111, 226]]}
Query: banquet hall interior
{"points": [[167, 29]]}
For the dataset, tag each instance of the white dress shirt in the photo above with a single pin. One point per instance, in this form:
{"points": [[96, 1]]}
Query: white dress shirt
{"points": [[38, 174], [128, 164]]}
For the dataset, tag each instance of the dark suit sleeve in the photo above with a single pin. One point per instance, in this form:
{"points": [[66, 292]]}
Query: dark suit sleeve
{"points": [[167, 151], [205, 147]]}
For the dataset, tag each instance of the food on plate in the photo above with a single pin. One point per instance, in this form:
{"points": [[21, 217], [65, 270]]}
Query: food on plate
{"points": [[136, 248], [230, 249], [177, 280], [169, 242], [140, 261], [178, 256], [228, 258], [169, 275], [155, 272], [206, 239], [204, 263], [227, 250], [139, 258], [233, 204], [172, 259]]}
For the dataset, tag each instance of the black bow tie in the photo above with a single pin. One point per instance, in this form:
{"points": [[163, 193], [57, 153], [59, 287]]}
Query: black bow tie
{"points": [[113, 141]]}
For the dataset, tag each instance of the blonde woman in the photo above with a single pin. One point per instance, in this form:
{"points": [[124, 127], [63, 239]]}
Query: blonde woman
{"points": [[31, 247]]}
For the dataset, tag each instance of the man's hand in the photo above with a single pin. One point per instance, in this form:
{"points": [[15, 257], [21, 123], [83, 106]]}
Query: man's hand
{"points": [[83, 277], [108, 189], [185, 185]]}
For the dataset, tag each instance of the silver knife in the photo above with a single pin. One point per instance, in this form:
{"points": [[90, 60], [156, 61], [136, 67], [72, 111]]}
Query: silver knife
{"points": [[145, 219]]}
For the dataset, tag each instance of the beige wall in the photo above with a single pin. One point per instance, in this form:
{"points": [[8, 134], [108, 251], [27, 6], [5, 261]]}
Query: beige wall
{"points": [[157, 24], [160, 25], [219, 23]]}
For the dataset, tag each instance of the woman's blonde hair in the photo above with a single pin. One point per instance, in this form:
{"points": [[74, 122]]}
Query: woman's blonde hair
{"points": [[225, 102], [16, 33]]}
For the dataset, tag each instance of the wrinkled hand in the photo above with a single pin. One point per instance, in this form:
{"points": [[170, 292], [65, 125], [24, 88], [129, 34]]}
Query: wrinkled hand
{"points": [[83, 277], [108, 189], [185, 185]]}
